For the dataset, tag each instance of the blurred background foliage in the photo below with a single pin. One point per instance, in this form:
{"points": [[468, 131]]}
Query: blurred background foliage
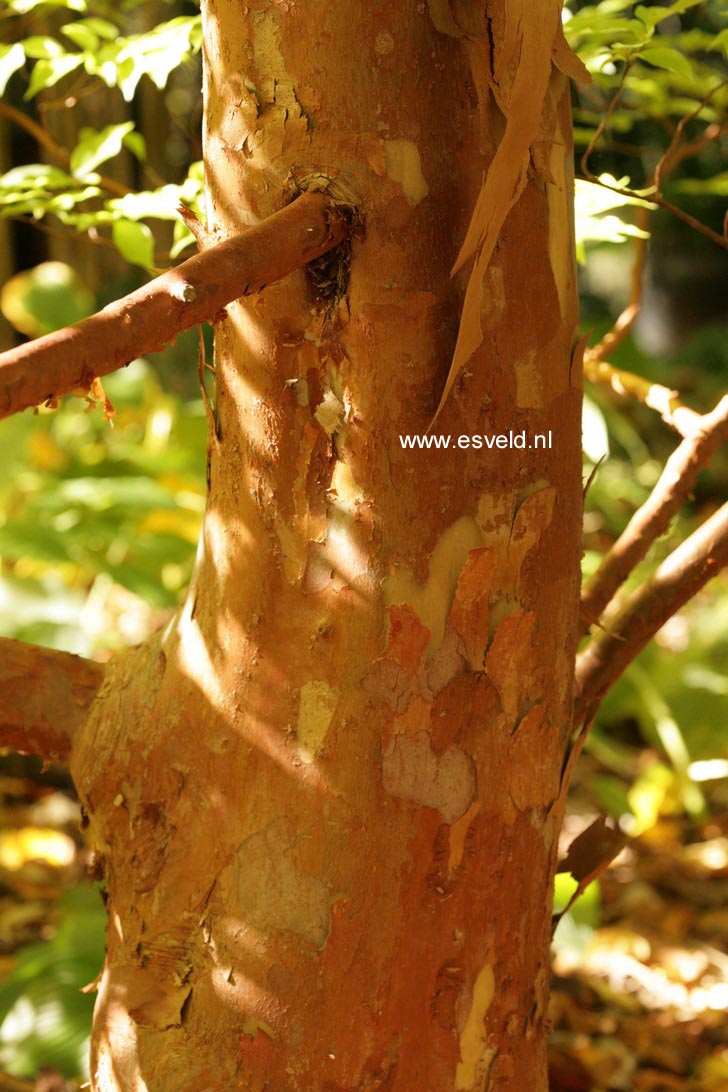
{"points": [[99, 144]]}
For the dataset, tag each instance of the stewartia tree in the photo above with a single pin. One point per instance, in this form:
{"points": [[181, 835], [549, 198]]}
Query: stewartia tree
{"points": [[326, 797]]}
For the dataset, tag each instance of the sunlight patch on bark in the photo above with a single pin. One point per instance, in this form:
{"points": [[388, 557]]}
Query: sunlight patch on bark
{"points": [[315, 713], [475, 1055], [432, 601], [402, 158]]}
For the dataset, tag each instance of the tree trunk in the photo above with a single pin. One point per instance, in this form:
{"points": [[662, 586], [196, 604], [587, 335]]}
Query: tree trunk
{"points": [[326, 798]]}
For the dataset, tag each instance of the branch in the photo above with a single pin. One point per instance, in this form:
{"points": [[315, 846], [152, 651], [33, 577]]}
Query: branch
{"points": [[663, 167], [44, 697], [626, 384], [653, 518], [626, 320], [699, 558], [147, 319]]}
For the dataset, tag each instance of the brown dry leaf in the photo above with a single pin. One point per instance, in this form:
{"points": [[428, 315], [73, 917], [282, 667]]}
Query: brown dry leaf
{"points": [[592, 850]]}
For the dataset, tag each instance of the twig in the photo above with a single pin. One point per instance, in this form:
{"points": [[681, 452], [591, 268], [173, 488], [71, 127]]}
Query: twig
{"points": [[152, 316], [667, 163], [604, 121], [626, 320], [59, 153], [201, 365], [655, 198], [660, 203], [44, 697], [695, 561], [670, 157], [653, 518], [628, 385]]}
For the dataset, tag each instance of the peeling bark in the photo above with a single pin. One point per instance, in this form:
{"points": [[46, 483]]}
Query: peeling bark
{"points": [[326, 797]]}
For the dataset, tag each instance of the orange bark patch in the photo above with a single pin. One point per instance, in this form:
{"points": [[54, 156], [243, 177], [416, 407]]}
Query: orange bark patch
{"points": [[533, 777], [408, 638], [509, 659], [470, 610]]}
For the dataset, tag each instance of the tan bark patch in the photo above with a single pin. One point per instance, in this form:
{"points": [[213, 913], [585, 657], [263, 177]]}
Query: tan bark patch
{"points": [[315, 713], [289, 901], [458, 834], [412, 771], [402, 158], [432, 601]]}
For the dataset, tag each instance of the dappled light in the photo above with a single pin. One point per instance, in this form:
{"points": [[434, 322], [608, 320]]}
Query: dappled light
{"points": [[345, 729]]}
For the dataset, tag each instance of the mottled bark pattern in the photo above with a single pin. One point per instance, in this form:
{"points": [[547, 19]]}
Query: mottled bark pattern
{"points": [[325, 796]]}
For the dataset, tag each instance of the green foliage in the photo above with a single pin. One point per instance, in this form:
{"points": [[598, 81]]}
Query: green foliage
{"points": [[45, 1019], [89, 510], [103, 51], [592, 203], [669, 58], [91, 48], [45, 298], [577, 925]]}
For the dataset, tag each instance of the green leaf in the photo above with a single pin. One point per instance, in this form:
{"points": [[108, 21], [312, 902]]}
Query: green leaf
{"points": [[97, 146], [718, 184], [46, 298], [11, 59], [22, 7], [41, 47], [82, 35], [136, 144], [47, 73], [672, 60], [157, 53], [653, 15], [135, 242], [35, 174], [160, 204], [720, 42]]}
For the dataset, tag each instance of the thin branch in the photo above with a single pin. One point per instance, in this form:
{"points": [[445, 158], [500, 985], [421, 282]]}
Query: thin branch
{"points": [[626, 320], [44, 697], [653, 518], [655, 198], [671, 157], [660, 203], [604, 121], [56, 151], [695, 561], [666, 402], [152, 316]]}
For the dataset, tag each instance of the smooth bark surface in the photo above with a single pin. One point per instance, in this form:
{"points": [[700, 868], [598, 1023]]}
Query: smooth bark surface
{"points": [[326, 797], [44, 697]]}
